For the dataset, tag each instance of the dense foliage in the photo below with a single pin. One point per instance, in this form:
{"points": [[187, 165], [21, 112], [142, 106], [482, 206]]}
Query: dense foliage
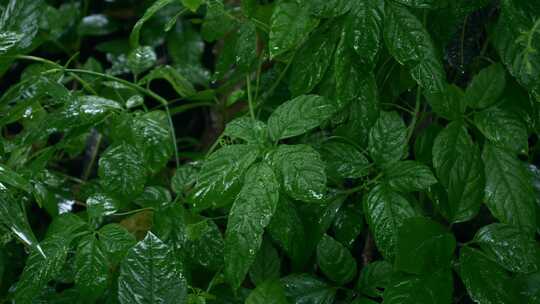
{"points": [[259, 151]]}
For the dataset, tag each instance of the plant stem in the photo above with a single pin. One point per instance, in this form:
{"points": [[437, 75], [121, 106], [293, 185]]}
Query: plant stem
{"points": [[250, 99], [412, 126]]}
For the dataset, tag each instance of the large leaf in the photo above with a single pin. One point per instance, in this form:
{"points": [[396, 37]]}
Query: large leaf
{"points": [[19, 24], [433, 288], [343, 160], [364, 25], [486, 87], [486, 282], [221, 176], [409, 175], [269, 292], [91, 268], [388, 139], [460, 170], [122, 171], [513, 249], [423, 246], [247, 129], [448, 103], [249, 215], [12, 214], [299, 115], [335, 260], [512, 136], [303, 288], [509, 192], [302, 171], [313, 59], [115, 241], [410, 44], [329, 8], [385, 212], [205, 243], [151, 274], [291, 23], [152, 137], [348, 224]]}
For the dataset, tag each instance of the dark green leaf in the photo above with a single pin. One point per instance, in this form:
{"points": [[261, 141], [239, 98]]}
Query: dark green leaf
{"points": [[141, 59], [247, 129], [152, 137], [364, 26], [266, 266], [335, 260], [249, 215], [179, 83], [12, 178], [193, 5], [344, 160], [269, 292], [303, 288], [388, 139], [302, 172], [122, 171], [513, 249], [246, 46], [291, 23], [386, 211], [115, 241], [221, 176], [423, 246], [205, 243], [97, 25], [409, 175], [299, 115], [100, 205], [12, 214], [449, 103], [434, 288], [348, 224], [509, 192], [329, 8], [374, 277], [150, 274], [287, 229], [91, 268], [151, 11], [216, 22], [486, 87]]}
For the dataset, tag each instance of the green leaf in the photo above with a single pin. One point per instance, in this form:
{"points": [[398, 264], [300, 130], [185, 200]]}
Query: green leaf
{"points": [[115, 241], [41, 267], [374, 277], [155, 197], [152, 136], [314, 57], [247, 129], [151, 11], [291, 23], [299, 115], [329, 8], [91, 268], [409, 175], [83, 111], [100, 205], [302, 172], [386, 211], [122, 171], [363, 27], [173, 76], [486, 87], [150, 274], [517, 40], [193, 5], [266, 266], [513, 249], [303, 288], [434, 288], [486, 282], [388, 139], [217, 22], [460, 171], [221, 176], [410, 44], [97, 25], [246, 46], [269, 292], [141, 59], [348, 224], [249, 215], [421, 3], [13, 215], [509, 193], [335, 260], [344, 160], [423, 246], [12, 178], [287, 229], [205, 243], [449, 103], [512, 136], [19, 23], [184, 178]]}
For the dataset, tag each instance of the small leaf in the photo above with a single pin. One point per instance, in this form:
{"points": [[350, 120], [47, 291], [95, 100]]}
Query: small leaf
{"points": [[364, 26], [302, 171], [374, 277], [269, 292], [423, 246], [344, 160], [386, 211], [486, 87], [329, 8], [150, 274], [205, 243], [152, 136], [100, 205], [266, 266], [449, 103], [388, 139], [97, 25], [486, 282], [221, 176], [151, 11], [246, 46], [335, 260], [141, 59], [249, 215], [216, 22], [180, 84], [91, 268], [512, 136], [299, 115], [12, 214], [348, 224], [291, 23], [122, 171], [193, 5], [115, 241], [509, 192], [433, 288], [247, 129], [513, 249], [409, 175], [303, 288]]}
